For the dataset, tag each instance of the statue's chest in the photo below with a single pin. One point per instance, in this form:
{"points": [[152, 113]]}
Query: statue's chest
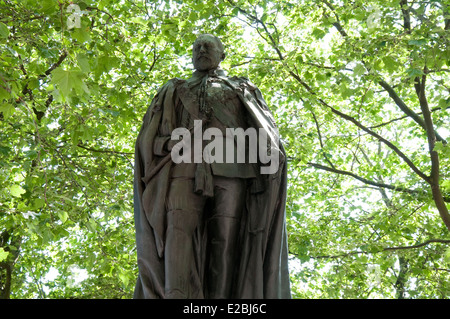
{"points": [[220, 97], [219, 91]]}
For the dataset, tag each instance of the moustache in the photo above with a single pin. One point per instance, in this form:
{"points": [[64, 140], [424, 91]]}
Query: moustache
{"points": [[203, 56]]}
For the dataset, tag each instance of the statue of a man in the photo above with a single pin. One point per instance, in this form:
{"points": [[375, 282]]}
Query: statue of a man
{"points": [[210, 207]]}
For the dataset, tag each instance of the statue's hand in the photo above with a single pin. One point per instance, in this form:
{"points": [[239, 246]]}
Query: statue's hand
{"points": [[170, 144], [179, 146]]}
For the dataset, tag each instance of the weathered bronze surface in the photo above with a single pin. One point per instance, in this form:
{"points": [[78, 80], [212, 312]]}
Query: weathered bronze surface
{"points": [[208, 229]]}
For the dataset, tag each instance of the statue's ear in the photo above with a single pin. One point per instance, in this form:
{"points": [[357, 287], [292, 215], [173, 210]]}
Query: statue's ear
{"points": [[223, 56]]}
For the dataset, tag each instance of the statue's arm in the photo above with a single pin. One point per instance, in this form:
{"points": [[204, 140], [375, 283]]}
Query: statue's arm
{"points": [[162, 143]]}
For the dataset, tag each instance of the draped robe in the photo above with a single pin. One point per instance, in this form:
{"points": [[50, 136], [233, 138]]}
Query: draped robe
{"points": [[261, 270]]}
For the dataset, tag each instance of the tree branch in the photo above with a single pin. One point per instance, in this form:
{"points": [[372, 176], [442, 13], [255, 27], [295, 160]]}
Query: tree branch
{"points": [[365, 180], [95, 8], [335, 111], [103, 151], [404, 117], [320, 138], [401, 278], [336, 24], [426, 123], [255, 18], [26, 90], [364, 128], [425, 243], [446, 13], [437, 240], [434, 156], [406, 15], [406, 109], [54, 65]]}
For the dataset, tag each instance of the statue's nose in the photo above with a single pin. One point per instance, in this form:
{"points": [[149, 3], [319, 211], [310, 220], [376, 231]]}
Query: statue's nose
{"points": [[202, 49]]}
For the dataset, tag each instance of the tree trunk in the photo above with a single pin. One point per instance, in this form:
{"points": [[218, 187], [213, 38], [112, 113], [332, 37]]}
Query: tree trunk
{"points": [[401, 278], [6, 267]]}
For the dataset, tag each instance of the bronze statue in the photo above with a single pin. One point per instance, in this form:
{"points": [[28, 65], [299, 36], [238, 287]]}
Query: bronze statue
{"points": [[209, 212]]}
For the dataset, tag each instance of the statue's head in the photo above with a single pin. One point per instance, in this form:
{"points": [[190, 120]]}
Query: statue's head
{"points": [[207, 52]]}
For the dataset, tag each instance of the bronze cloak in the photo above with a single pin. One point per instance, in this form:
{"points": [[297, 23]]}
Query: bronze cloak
{"points": [[262, 270]]}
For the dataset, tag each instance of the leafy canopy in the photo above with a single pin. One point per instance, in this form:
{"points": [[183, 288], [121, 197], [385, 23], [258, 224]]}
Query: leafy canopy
{"points": [[360, 92]]}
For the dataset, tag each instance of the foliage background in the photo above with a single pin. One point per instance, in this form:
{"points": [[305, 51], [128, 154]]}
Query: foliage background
{"points": [[359, 89]]}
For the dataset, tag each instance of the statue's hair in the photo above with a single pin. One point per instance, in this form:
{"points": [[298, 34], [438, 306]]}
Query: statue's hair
{"points": [[219, 43]]}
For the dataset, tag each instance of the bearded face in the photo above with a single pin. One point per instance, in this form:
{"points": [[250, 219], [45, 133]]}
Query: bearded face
{"points": [[207, 53]]}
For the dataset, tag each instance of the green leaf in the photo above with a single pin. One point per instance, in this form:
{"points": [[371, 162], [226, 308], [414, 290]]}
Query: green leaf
{"points": [[446, 185], [31, 154], [69, 80], [389, 63], [91, 225], [124, 278], [442, 149], [318, 33], [447, 256], [7, 109], [3, 254], [345, 90], [4, 94], [4, 150], [63, 216], [81, 35], [16, 190], [61, 78], [48, 6], [4, 31], [359, 70], [412, 73], [418, 42], [83, 62], [439, 146], [38, 203], [444, 103]]}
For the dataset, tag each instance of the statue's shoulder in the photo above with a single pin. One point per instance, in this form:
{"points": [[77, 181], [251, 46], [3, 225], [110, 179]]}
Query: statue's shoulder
{"points": [[167, 89], [162, 89], [243, 82], [173, 83]]}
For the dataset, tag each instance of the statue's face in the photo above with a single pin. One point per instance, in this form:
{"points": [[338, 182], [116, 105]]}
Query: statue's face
{"points": [[206, 53]]}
